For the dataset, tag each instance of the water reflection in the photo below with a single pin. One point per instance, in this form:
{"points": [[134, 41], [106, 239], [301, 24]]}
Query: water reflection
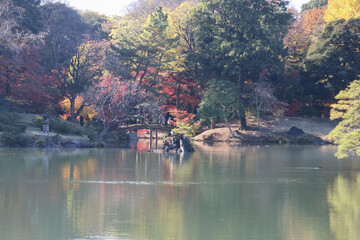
{"points": [[344, 200], [218, 192]]}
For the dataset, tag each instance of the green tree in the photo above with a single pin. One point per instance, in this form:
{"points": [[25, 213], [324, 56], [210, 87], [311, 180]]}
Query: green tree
{"points": [[347, 133], [148, 54], [237, 39], [220, 101], [97, 23], [313, 4], [332, 61]]}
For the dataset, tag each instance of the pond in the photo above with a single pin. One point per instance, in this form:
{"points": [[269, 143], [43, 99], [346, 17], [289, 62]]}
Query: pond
{"points": [[221, 192]]}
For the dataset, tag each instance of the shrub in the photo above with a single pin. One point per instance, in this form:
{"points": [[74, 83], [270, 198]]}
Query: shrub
{"points": [[65, 127], [12, 137], [5, 118], [189, 130], [60, 126]]}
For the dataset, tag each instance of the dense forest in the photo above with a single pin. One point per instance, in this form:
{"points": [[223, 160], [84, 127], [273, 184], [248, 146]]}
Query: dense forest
{"points": [[197, 61]]}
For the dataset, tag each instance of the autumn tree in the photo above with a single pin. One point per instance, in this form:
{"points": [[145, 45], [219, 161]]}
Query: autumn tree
{"points": [[237, 39], [14, 41], [301, 35], [342, 9], [347, 110], [84, 69], [182, 74], [116, 101]]}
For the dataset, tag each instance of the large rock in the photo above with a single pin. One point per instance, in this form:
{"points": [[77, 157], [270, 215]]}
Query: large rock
{"points": [[178, 143], [295, 131]]}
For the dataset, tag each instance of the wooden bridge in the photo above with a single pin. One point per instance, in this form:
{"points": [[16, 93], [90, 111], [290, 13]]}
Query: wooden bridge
{"points": [[151, 127]]}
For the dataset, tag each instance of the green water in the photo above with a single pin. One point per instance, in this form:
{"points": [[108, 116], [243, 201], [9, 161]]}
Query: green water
{"points": [[250, 193]]}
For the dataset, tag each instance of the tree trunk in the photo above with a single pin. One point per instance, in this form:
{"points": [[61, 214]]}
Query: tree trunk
{"points": [[72, 110], [242, 115], [178, 96], [212, 123], [103, 132], [258, 107], [8, 89], [107, 128], [229, 126]]}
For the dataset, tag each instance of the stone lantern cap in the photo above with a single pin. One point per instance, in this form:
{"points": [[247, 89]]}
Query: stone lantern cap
{"points": [[46, 118]]}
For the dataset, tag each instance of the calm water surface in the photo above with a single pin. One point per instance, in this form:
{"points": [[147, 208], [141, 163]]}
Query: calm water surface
{"points": [[250, 193]]}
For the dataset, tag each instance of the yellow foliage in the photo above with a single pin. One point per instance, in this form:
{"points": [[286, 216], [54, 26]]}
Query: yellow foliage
{"points": [[342, 9], [87, 112], [179, 28]]}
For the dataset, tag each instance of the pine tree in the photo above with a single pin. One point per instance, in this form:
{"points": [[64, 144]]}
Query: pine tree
{"points": [[148, 54], [347, 133]]}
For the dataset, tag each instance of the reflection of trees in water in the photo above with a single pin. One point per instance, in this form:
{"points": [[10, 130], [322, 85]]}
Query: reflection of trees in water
{"points": [[205, 195], [344, 200]]}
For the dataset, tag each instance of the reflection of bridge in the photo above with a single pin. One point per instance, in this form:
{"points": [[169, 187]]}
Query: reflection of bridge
{"points": [[151, 127]]}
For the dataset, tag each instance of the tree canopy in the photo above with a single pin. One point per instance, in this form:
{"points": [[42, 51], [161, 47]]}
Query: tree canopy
{"points": [[347, 110], [313, 4], [333, 58], [236, 40], [342, 9]]}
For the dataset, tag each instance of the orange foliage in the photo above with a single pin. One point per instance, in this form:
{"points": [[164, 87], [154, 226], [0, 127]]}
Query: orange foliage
{"points": [[181, 116], [88, 112], [309, 25]]}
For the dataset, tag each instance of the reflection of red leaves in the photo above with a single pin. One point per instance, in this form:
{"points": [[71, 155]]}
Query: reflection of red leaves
{"points": [[142, 145]]}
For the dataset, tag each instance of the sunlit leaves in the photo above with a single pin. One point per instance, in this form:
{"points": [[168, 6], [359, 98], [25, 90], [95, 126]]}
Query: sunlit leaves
{"points": [[347, 132], [342, 9]]}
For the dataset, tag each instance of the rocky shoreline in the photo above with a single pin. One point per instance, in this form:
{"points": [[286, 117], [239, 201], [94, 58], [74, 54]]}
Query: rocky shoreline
{"points": [[274, 131]]}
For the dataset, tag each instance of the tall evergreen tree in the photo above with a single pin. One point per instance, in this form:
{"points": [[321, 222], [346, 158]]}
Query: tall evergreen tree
{"points": [[148, 54], [237, 39]]}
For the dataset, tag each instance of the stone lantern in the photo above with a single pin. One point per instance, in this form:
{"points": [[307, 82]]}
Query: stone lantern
{"points": [[46, 124]]}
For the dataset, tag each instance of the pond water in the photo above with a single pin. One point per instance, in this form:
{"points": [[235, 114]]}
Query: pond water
{"points": [[250, 193]]}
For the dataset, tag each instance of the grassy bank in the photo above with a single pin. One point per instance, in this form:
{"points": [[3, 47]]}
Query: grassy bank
{"points": [[25, 130]]}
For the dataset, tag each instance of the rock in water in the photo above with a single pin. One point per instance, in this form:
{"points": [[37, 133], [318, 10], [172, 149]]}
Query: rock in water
{"points": [[185, 145], [178, 142]]}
